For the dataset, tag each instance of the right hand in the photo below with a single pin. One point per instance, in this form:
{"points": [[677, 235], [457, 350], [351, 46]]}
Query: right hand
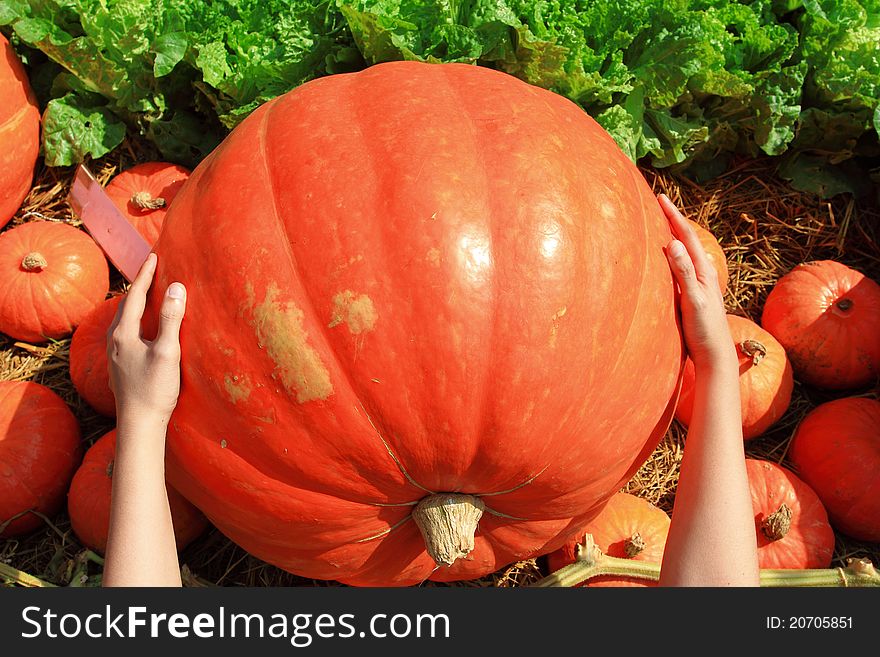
{"points": [[703, 316], [144, 375]]}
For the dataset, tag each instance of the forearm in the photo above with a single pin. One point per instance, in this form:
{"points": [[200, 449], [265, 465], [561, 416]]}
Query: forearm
{"points": [[141, 549], [712, 539]]}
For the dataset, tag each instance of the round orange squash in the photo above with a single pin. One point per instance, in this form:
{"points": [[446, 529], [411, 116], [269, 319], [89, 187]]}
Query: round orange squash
{"points": [[144, 192], [421, 291], [790, 521], [19, 132], [836, 451], [88, 358], [88, 500], [53, 276], [629, 527], [765, 379], [714, 252], [39, 452], [827, 316]]}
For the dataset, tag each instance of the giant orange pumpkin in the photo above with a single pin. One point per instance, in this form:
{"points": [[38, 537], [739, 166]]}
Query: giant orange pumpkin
{"points": [[39, 452], [419, 296], [19, 132]]}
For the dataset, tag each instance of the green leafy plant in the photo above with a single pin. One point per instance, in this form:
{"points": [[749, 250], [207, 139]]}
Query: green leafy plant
{"points": [[683, 83]]}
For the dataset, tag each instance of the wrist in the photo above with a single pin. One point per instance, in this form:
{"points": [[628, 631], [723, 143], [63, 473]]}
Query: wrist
{"points": [[145, 430], [142, 415], [721, 359]]}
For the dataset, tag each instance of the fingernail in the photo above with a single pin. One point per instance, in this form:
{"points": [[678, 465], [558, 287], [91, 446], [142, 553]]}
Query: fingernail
{"points": [[176, 291], [676, 249]]}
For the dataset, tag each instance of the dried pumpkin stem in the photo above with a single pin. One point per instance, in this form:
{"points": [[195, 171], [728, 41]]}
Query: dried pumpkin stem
{"points": [[634, 545], [845, 304], [34, 261], [448, 522], [21, 578], [754, 349], [591, 562], [777, 524], [145, 201]]}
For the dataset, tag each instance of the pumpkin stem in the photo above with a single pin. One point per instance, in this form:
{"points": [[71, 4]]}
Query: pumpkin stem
{"points": [[448, 522], [753, 348], [777, 524], [844, 304], [145, 201], [34, 261], [858, 572], [633, 545]]}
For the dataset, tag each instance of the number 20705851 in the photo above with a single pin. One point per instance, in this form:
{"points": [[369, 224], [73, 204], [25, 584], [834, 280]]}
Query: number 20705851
{"points": [[809, 623]]}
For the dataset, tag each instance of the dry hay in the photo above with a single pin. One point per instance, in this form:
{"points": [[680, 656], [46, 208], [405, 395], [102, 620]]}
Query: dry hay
{"points": [[764, 227]]}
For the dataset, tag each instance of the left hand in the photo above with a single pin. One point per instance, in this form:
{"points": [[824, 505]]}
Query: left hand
{"points": [[144, 375], [704, 318]]}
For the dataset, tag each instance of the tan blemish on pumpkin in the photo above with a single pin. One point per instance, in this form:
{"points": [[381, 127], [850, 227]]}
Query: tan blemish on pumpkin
{"points": [[279, 328], [607, 210], [356, 311], [554, 328], [221, 347], [237, 387], [433, 257], [351, 261]]}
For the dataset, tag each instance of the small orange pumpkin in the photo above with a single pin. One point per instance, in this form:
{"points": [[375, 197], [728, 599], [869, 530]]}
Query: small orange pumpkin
{"points": [[88, 501], [54, 275], [88, 358], [790, 521], [39, 452], [765, 379], [836, 451], [714, 252], [827, 316], [19, 132], [144, 192], [629, 527]]}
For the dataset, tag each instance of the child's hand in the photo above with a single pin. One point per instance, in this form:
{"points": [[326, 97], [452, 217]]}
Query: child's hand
{"points": [[145, 376], [702, 307]]}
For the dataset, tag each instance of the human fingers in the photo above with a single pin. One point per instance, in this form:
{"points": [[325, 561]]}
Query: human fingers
{"points": [[683, 231], [132, 308], [170, 318], [115, 322], [682, 268]]}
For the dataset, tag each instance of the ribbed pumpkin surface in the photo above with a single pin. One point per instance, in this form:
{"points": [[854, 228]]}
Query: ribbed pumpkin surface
{"points": [[415, 279]]}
